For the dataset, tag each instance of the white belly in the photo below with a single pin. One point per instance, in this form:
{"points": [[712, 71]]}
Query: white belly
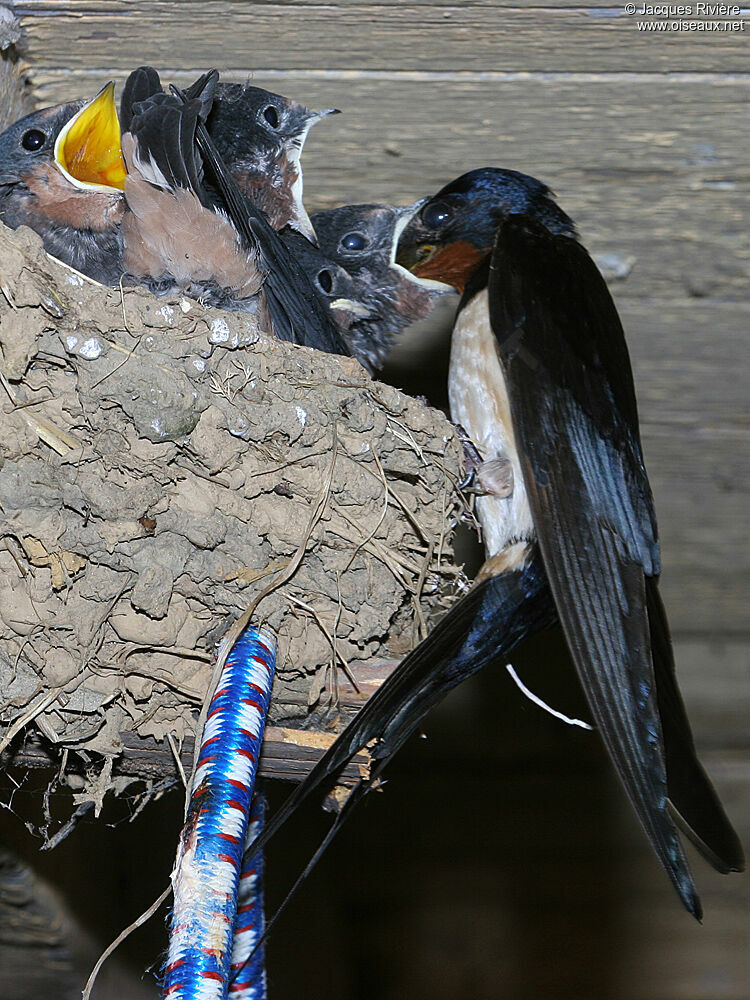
{"points": [[479, 402]]}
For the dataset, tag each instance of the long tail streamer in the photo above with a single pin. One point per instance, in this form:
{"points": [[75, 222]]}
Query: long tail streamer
{"points": [[206, 877]]}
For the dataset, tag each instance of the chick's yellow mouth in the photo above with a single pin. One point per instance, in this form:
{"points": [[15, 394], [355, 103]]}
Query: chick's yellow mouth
{"points": [[88, 150]]}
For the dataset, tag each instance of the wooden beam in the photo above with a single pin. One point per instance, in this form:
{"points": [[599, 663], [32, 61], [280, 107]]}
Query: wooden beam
{"points": [[409, 36], [288, 754]]}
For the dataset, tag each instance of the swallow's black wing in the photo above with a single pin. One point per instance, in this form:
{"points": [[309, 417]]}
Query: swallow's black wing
{"points": [[485, 625], [574, 413], [164, 128], [205, 89], [164, 125], [142, 83], [296, 312]]}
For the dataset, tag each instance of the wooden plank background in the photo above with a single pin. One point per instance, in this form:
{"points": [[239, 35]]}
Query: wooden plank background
{"points": [[644, 138]]}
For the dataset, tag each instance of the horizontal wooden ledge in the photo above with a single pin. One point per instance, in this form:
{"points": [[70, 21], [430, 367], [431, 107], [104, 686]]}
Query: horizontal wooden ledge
{"points": [[407, 36], [77, 8], [44, 74], [288, 754]]}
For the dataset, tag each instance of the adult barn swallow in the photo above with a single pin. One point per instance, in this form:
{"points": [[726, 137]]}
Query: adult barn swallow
{"points": [[541, 379], [172, 233], [260, 136], [61, 174], [363, 239]]}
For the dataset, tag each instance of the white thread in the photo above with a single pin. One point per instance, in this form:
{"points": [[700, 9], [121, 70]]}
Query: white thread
{"points": [[542, 704]]}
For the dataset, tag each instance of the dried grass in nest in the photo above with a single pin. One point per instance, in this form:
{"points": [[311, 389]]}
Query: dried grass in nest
{"points": [[163, 467]]}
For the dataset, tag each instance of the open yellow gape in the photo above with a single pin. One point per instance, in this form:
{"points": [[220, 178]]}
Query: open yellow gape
{"points": [[88, 150]]}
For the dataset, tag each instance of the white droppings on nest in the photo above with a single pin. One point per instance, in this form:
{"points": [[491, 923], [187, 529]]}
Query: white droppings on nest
{"points": [[238, 426], [219, 332], [90, 349]]}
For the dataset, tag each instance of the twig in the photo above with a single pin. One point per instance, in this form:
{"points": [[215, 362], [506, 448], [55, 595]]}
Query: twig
{"points": [[67, 827], [285, 465], [129, 355], [383, 514], [152, 793], [419, 614], [19, 565], [59, 440], [29, 716], [443, 526], [138, 922], [336, 654], [336, 624], [8, 294], [87, 278], [407, 438], [186, 652], [178, 762], [392, 492], [385, 555]]}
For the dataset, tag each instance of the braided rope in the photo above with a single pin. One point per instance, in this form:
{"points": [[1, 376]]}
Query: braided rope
{"points": [[248, 980], [209, 856]]}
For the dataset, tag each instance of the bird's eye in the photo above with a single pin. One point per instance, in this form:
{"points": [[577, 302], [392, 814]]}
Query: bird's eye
{"points": [[436, 214], [33, 139], [271, 115], [354, 241], [325, 280]]}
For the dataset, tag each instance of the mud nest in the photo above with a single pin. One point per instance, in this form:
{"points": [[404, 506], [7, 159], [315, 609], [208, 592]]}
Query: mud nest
{"points": [[163, 466]]}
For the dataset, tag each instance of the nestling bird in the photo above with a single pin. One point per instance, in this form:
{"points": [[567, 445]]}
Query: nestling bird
{"points": [[540, 378], [334, 286], [61, 173], [260, 136], [172, 234], [363, 239]]}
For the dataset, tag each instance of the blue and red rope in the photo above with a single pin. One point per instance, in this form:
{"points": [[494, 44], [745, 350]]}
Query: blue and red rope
{"points": [[206, 879], [248, 975]]}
